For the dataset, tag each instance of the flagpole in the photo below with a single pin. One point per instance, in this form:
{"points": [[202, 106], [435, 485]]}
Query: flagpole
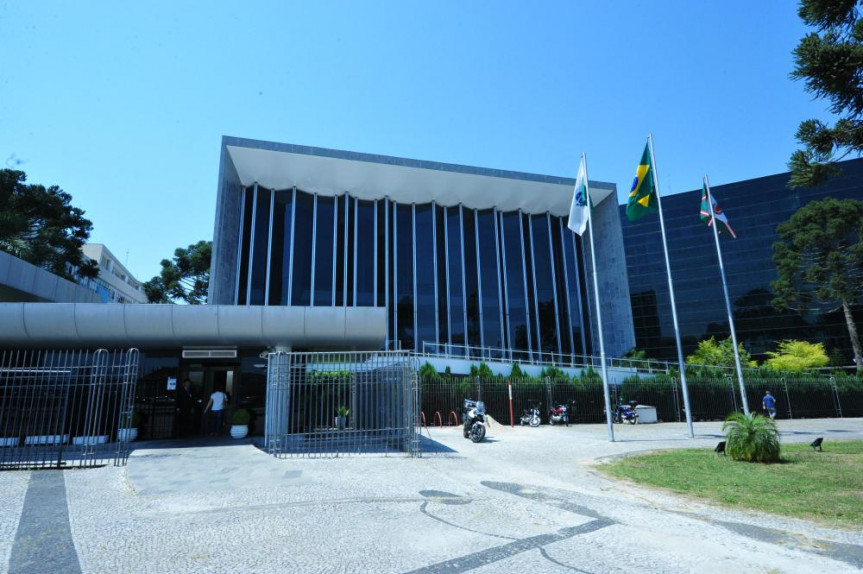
{"points": [[605, 392], [727, 299], [671, 292]]}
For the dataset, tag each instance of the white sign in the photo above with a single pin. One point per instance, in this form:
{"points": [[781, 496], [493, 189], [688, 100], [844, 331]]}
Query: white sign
{"points": [[172, 383]]}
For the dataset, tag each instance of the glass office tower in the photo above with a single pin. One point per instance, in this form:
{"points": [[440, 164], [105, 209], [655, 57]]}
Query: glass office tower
{"points": [[453, 278]]}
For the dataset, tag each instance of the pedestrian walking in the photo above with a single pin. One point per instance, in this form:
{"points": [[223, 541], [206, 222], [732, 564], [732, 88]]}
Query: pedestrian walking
{"points": [[768, 403], [218, 403]]}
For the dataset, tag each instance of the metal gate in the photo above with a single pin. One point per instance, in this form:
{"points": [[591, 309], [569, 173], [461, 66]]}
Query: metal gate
{"points": [[335, 404], [62, 409]]}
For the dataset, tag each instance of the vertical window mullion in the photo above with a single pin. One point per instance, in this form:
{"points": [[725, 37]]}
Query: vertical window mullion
{"points": [[356, 219], [498, 232], [436, 295], [395, 273], [463, 278], [269, 247], [478, 278], [414, 253], [291, 258], [252, 246], [553, 281], [446, 265], [505, 289], [335, 248], [345, 248], [314, 247], [524, 276], [375, 265]]}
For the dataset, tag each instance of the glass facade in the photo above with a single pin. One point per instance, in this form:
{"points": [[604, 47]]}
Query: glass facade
{"points": [[481, 282], [754, 208]]}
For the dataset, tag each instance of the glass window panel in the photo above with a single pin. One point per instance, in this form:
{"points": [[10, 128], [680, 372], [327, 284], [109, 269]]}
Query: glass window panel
{"points": [[471, 278], [246, 246], [560, 285], [456, 299], [440, 247], [572, 276], [426, 301], [532, 319], [260, 248], [515, 284], [488, 271], [380, 230], [365, 262], [349, 253], [324, 251], [544, 284], [302, 281], [280, 258], [405, 276], [340, 250]]}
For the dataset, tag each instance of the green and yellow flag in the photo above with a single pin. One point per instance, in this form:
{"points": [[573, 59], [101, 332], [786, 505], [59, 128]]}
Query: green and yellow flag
{"points": [[642, 196]]}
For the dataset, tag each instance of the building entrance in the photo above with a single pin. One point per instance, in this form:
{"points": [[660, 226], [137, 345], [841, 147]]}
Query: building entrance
{"points": [[207, 379]]}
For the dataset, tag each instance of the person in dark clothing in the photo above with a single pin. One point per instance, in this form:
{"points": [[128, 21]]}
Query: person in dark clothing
{"points": [[768, 403], [186, 404]]}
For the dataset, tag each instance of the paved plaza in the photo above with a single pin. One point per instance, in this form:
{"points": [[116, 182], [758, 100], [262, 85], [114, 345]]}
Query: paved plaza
{"points": [[524, 500]]}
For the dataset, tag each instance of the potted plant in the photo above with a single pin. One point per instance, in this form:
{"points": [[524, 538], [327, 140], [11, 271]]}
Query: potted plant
{"points": [[128, 430], [240, 423], [342, 415]]}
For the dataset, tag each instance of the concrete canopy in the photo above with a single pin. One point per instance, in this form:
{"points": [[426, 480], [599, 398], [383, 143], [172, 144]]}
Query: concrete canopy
{"points": [[161, 326], [367, 176]]}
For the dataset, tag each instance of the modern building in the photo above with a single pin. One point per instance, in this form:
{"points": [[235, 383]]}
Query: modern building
{"points": [[24, 282], [754, 209], [465, 260], [114, 279]]}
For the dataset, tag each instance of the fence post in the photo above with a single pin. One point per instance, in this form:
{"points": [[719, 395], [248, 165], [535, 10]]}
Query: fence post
{"points": [[676, 396], [836, 402], [787, 396], [733, 395], [511, 416]]}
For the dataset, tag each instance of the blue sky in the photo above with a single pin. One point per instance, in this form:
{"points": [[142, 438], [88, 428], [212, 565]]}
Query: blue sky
{"points": [[124, 104]]}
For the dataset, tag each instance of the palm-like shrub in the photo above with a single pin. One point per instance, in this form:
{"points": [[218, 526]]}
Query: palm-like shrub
{"points": [[753, 438]]}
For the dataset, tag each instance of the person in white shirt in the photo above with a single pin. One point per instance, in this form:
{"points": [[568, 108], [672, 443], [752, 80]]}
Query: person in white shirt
{"points": [[218, 402]]}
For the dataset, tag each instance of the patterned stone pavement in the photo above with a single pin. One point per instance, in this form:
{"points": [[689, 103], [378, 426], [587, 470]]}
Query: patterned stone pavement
{"points": [[526, 499]]}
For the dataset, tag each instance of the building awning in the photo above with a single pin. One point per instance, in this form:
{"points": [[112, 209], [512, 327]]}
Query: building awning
{"points": [[331, 172], [165, 326]]}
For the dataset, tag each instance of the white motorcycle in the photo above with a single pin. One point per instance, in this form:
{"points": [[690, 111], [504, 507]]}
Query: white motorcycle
{"points": [[473, 415]]}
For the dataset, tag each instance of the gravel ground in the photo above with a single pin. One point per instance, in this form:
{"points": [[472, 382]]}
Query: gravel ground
{"points": [[523, 499]]}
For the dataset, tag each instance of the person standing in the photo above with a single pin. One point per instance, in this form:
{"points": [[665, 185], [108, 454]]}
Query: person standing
{"points": [[218, 403], [186, 403], [769, 404]]}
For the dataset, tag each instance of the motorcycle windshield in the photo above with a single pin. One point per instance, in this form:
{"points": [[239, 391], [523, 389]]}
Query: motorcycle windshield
{"points": [[480, 408]]}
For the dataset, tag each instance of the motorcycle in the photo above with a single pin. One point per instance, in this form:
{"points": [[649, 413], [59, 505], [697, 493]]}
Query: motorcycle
{"points": [[473, 415], [626, 414], [559, 414], [531, 416]]}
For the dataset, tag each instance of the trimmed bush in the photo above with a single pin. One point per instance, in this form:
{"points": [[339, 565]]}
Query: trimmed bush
{"points": [[241, 417], [752, 438]]}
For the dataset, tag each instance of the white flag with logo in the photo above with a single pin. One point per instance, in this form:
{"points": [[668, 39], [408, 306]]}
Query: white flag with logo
{"points": [[579, 210]]}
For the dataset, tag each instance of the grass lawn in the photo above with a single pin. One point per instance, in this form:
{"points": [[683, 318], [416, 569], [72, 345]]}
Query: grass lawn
{"points": [[824, 486]]}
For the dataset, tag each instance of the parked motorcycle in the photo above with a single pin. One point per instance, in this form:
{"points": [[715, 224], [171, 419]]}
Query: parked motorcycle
{"points": [[473, 416], [626, 414], [530, 416], [559, 414]]}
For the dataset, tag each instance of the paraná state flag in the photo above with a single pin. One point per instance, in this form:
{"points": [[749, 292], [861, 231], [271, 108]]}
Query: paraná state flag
{"points": [[717, 212], [579, 211], [642, 196]]}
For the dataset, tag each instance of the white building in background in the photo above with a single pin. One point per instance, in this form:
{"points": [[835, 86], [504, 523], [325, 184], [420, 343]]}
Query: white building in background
{"points": [[120, 285]]}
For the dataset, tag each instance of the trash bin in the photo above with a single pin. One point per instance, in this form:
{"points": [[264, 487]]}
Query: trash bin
{"points": [[646, 414]]}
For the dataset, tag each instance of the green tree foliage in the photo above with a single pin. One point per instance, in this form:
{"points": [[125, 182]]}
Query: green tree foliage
{"points": [[830, 62], [185, 279], [798, 356], [516, 372], [752, 438], [482, 371], [427, 371], [713, 353], [40, 225], [553, 373], [819, 260]]}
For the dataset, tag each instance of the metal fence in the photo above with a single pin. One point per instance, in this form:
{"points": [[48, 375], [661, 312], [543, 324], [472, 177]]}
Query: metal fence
{"points": [[710, 398], [66, 408], [335, 404]]}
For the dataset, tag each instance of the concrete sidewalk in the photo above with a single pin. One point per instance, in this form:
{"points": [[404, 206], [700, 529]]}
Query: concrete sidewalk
{"points": [[525, 499]]}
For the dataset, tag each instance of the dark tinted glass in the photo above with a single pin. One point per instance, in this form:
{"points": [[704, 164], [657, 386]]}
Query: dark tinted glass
{"points": [[404, 276], [280, 258], [245, 249], [324, 263], [533, 323], [488, 265], [573, 290], [350, 252], [426, 327], [365, 258], [341, 211], [454, 255], [260, 247], [380, 234], [302, 280], [544, 284], [515, 288], [441, 271], [471, 278], [560, 285]]}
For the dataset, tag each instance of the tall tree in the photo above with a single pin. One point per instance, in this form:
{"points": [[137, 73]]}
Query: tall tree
{"points": [[41, 226], [819, 260], [185, 279], [830, 62]]}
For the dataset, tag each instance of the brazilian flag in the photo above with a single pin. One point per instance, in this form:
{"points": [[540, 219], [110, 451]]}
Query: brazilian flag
{"points": [[642, 196]]}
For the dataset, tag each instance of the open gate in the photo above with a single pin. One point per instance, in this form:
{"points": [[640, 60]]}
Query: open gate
{"points": [[62, 409]]}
